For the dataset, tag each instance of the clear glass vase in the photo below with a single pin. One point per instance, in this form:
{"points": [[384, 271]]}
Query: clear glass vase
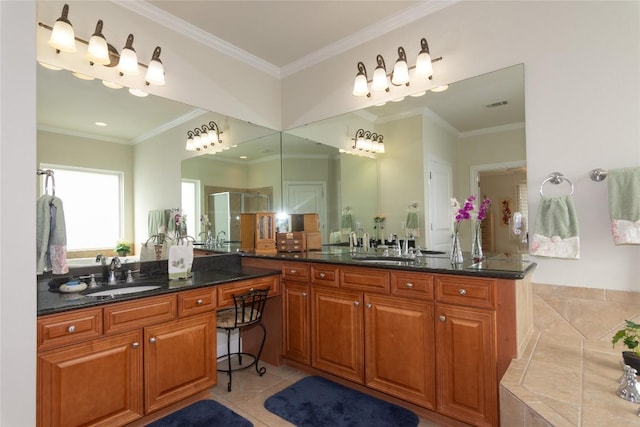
{"points": [[456, 249], [476, 243]]}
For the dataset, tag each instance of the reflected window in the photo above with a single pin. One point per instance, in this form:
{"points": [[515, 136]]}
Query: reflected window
{"points": [[93, 205], [191, 206]]}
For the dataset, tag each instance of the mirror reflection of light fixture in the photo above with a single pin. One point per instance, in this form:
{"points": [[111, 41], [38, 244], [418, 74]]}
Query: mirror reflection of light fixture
{"points": [[62, 36], [98, 51], [137, 92], [128, 63], [155, 71], [204, 136], [400, 73], [368, 141]]}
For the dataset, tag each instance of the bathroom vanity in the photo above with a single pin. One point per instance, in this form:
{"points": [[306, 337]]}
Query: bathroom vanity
{"points": [[429, 336]]}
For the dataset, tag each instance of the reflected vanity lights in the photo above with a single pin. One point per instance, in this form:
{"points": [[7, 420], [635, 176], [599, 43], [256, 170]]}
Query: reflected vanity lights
{"points": [[400, 74], [100, 52], [203, 137], [367, 141]]}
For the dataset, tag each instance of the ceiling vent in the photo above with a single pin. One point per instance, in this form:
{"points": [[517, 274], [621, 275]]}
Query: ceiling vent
{"points": [[496, 104]]}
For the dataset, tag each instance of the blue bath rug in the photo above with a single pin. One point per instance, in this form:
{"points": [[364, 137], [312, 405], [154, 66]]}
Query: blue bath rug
{"points": [[204, 413], [317, 402]]}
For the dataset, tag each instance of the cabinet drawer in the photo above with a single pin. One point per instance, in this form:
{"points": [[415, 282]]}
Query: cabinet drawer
{"points": [[136, 314], [197, 301], [327, 275], [412, 285], [69, 328], [479, 293], [226, 292], [298, 271], [365, 279]]}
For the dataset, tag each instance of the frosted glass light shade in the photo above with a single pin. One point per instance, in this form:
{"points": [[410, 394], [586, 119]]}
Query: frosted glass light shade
{"points": [[423, 65], [62, 37], [400, 74], [380, 147], [155, 73], [98, 52], [128, 63], [380, 81], [190, 146], [360, 85]]}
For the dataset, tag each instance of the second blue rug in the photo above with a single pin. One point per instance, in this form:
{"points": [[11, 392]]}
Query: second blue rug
{"points": [[204, 413], [317, 402]]}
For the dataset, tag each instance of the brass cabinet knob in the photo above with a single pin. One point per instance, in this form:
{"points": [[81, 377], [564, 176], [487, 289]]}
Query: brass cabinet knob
{"points": [[356, 303], [409, 285], [199, 302]]}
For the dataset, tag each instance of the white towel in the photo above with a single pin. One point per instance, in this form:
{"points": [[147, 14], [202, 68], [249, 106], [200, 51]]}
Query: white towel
{"points": [[556, 229], [624, 205], [147, 252], [180, 259], [51, 236]]}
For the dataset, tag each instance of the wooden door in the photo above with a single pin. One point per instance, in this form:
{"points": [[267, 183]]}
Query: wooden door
{"points": [[296, 319], [440, 187], [179, 360], [399, 348], [466, 364], [337, 333], [93, 383]]}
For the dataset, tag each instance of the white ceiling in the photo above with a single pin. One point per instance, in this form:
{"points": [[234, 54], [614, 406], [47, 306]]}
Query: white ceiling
{"points": [[284, 35]]}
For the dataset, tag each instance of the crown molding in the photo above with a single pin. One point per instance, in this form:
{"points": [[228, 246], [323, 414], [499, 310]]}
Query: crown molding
{"points": [[494, 129], [85, 135], [178, 25], [170, 125], [369, 33]]}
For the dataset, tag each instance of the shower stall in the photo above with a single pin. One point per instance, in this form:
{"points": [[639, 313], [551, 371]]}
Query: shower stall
{"points": [[225, 209]]}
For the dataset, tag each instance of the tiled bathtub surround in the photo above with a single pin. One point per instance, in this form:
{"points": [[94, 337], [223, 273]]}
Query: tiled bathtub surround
{"points": [[568, 374]]}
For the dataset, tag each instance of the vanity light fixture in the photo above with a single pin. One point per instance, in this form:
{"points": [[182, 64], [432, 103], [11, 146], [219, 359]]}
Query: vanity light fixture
{"points": [[100, 52], [137, 92], [400, 73]]}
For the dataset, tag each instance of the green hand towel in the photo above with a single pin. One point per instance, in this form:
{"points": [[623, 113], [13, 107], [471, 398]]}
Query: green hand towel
{"points": [[624, 194], [556, 229]]}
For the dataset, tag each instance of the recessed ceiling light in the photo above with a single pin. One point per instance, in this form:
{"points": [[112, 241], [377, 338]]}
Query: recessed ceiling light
{"points": [[138, 92], [243, 157], [111, 85], [440, 88], [101, 124], [82, 76], [49, 66]]}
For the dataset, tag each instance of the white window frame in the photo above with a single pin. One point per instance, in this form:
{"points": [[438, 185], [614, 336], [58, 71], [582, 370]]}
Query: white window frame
{"points": [[120, 176], [197, 209]]}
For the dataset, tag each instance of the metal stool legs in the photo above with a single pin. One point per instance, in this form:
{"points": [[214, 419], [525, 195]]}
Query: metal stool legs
{"points": [[260, 370]]}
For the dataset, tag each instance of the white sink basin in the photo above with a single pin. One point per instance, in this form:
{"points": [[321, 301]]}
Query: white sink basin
{"points": [[383, 261], [122, 291]]}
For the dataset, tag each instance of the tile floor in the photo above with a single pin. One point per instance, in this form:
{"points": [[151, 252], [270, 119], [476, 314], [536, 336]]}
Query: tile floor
{"points": [[249, 391]]}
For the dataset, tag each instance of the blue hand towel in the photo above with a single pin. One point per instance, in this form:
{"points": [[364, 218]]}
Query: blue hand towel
{"points": [[556, 229], [51, 236], [624, 205]]}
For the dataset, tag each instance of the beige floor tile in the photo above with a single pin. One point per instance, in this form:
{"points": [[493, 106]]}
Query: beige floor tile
{"points": [[561, 350], [552, 381]]}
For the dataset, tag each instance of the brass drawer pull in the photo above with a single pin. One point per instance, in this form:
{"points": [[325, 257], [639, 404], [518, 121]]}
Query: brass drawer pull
{"points": [[322, 275], [292, 271]]}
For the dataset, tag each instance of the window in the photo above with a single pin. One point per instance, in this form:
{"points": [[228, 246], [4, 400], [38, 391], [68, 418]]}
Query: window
{"points": [[93, 205], [191, 206]]}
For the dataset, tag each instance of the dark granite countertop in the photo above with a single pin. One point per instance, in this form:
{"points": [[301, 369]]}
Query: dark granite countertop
{"points": [[499, 265], [212, 271], [226, 267]]}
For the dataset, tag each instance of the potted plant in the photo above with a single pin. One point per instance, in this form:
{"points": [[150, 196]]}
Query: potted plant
{"points": [[123, 248], [630, 336]]}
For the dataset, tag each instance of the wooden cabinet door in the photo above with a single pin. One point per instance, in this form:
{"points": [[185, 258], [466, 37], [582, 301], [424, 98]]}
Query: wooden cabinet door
{"points": [[96, 383], [466, 364], [337, 333], [296, 319], [179, 360], [399, 350]]}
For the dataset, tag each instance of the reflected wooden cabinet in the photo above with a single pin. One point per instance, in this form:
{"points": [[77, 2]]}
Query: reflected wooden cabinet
{"points": [[258, 232]]}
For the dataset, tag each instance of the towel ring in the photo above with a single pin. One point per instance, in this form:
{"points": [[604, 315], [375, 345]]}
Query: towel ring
{"points": [[556, 178]]}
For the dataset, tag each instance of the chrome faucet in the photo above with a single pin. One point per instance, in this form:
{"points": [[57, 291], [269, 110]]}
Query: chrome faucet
{"points": [[101, 259], [115, 264], [397, 244]]}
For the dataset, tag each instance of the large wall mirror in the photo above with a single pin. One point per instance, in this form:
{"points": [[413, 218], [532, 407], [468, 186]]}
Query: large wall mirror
{"points": [[84, 126], [467, 139]]}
